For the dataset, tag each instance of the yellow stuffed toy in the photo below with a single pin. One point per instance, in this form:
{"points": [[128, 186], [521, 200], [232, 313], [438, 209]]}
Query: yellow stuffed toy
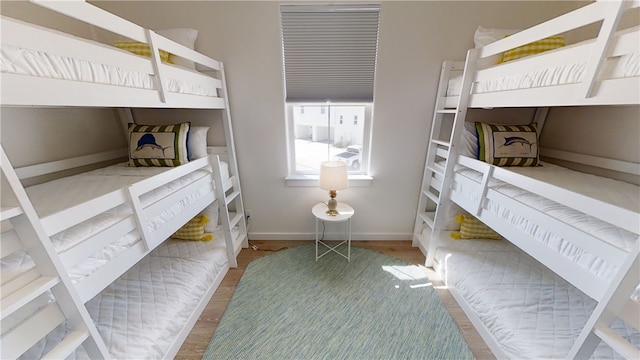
{"points": [[472, 228], [194, 230]]}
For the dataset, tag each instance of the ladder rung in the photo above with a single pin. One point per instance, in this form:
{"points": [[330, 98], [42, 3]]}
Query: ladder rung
{"points": [[440, 142], [428, 217], [617, 342], [32, 330], [235, 219], [24, 295], [238, 241], [447, 111], [442, 153], [19, 281], [67, 346], [231, 197], [228, 184], [631, 311], [436, 168], [10, 243], [436, 184], [431, 196], [7, 213]]}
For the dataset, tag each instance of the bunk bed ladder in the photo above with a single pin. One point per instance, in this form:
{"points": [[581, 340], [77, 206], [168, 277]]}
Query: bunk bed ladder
{"points": [[232, 212], [616, 303], [447, 125], [42, 298]]}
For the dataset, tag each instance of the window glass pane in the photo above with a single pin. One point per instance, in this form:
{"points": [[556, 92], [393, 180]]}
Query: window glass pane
{"points": [[320, 134]]}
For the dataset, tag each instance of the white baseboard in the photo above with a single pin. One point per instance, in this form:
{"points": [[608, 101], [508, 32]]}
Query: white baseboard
{"points": [[330, 236]]}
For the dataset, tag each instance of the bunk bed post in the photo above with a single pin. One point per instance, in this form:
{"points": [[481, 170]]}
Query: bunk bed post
{"points": [[539, 118], [53, 277], [126, 118]]}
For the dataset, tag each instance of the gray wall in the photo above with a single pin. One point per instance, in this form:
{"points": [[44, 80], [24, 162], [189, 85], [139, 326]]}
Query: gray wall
{"points": [[415, 37]]}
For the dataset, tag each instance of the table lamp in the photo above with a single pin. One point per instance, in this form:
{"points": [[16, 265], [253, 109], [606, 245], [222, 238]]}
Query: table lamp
{"points": [[333, 177]]}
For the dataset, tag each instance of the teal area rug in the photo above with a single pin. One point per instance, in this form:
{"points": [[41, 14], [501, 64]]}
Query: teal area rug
{"points": [[288, 306]]}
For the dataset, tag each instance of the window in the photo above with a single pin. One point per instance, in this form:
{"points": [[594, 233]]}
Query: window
{"points": [[329, 69], [315, 137]]}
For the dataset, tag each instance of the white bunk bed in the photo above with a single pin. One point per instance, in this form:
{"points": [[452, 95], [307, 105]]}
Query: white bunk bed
{"points": [[571, 265], [87, 270]]}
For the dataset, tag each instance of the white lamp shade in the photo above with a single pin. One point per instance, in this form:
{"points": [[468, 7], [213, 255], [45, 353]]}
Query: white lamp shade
{"points": [[333, 175]]}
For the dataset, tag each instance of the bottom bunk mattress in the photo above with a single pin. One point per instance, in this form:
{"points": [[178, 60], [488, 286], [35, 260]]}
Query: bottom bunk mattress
{"points": [[140, 314], [530, 312]]}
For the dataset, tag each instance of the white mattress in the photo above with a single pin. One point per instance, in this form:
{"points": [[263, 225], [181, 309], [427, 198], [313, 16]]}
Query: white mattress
{"points": [[31, 62], [619, 67], [531, 312], [140, 314], [59, 194], [608, 190]]}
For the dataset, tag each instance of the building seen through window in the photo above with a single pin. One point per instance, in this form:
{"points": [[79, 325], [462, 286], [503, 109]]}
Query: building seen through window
{"points": [[321, 135]]}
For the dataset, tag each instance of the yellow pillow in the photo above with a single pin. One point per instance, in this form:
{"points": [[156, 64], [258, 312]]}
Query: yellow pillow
{"points": [[472, 228], [141, 49], [194, 230], [536, 47]]}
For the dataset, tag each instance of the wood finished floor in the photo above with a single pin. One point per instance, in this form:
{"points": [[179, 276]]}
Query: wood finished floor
{"points": [[198, 339]]}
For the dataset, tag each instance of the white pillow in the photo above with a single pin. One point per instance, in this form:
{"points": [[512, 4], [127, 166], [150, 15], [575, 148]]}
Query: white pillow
{"points": [[469, 144], [197, 142], [484, 36], [212, 213], [185, 37]]}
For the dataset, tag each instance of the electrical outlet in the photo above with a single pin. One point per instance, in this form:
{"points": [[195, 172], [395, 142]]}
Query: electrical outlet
{"points": [[247, 214]]}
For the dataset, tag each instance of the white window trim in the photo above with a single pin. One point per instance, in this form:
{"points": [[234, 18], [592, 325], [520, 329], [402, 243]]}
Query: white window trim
{"points": [[312, 180]]}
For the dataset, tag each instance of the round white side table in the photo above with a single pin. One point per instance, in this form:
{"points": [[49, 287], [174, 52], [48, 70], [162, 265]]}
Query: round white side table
{"points": [[345, 212]]}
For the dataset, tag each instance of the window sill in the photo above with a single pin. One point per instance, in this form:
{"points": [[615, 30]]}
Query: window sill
{"points": [[312, 180]]}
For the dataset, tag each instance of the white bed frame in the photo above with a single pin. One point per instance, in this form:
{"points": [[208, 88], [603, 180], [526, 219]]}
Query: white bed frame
{"points": [[440, 183], [24, 229]]}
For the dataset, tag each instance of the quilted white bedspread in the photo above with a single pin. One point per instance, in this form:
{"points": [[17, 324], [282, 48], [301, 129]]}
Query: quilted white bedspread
{"points": [[531, 312], [141, 313]]}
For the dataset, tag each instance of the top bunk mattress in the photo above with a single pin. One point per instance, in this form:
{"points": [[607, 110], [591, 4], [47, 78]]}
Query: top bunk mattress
{"points": [[614, 68], [29, 62]]}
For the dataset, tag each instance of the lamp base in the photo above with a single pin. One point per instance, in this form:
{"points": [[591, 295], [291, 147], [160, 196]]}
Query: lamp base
{"points": [[332, 204]]}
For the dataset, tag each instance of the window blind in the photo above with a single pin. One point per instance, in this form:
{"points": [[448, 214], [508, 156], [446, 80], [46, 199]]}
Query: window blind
{"points": [[329, 52]]}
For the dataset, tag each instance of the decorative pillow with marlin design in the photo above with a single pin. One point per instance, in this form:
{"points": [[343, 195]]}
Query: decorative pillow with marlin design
{"points": [[158, 145], [508, 145]]}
